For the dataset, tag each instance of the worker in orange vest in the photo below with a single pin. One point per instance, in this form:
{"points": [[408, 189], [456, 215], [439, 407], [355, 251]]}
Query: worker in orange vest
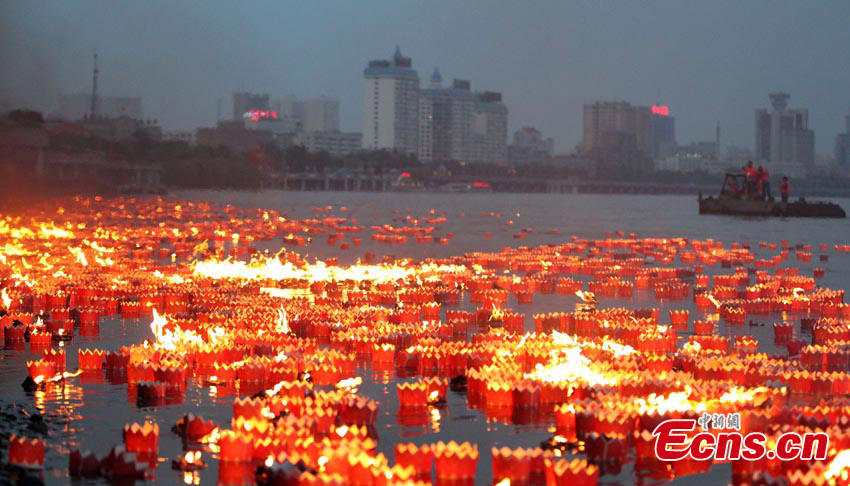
{"points": [[750, 176], [764, 183], [785, 189]]}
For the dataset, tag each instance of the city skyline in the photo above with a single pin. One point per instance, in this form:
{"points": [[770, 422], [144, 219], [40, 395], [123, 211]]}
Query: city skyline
{"points": [[199, 56]]}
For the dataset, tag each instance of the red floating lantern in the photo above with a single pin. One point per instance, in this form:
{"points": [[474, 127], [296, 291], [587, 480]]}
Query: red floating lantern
{"points": [[27, 453], [117, 361], [194, 428], [570, 473], [412, 395], [419, 458], [14, 334], [511, 464], [121, 464], [235, 447], [41, 370], [90, 359], [83, 463], [455, 461], [142, 438]]}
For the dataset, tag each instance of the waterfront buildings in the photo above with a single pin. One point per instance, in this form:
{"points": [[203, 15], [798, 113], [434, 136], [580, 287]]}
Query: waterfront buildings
{"points": [[391, 105], [489, 128], [842, 146], [617, 135], [529, 146], [782, 136], [246, 102], [437, 123], [449, 123], [335, 143], [662, 132], [310, 115], [234, 136], [186, 136]]}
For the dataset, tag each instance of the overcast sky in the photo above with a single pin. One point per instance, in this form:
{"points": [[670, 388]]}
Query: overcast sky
{"points": [[710, 61]]}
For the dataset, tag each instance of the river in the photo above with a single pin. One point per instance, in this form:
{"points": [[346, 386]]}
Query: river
{"points": [[91, 412]]}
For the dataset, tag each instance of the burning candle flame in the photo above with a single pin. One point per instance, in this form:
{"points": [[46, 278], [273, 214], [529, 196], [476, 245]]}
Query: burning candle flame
{"points": [[212, 437], [350, 384], [282, 323], [7, 301], [839, 466], [586, 296]]}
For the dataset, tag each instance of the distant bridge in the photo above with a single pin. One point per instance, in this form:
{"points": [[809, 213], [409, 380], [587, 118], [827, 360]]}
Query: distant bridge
{"points": [[503, 183], [371, 182]]}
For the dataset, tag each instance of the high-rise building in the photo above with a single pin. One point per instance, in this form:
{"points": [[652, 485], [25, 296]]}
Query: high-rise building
{"points": [[662, 132], [530, 146], [246, 102], [321, 115], [489, 128], [782, 136], [426, 120], [310, 115], [617, 134], [78, 107], [842, 146], [291, 109], [391, 105], [449, 125]]}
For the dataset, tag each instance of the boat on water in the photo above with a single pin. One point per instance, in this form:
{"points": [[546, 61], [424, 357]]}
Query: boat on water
{"points": [[730, 202]]}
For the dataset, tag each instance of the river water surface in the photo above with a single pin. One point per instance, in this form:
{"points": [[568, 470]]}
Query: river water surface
{"points": [[91, 411]]}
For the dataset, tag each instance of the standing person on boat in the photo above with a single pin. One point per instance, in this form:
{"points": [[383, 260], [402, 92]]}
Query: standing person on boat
{"points": [[750, 176], [785, 189], [764, 183]]}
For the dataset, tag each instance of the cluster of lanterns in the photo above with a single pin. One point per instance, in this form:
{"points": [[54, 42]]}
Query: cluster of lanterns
{"points": [[286, 337]]}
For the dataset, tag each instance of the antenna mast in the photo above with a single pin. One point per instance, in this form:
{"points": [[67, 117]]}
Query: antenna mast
{"points": [[93, 111]]}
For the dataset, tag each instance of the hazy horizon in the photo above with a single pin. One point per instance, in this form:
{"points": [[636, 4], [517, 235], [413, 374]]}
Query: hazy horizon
{"points": [[710, 61]]}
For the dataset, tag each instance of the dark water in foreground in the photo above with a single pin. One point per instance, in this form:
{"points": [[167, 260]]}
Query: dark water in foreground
{"points": [[91, 411]]}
